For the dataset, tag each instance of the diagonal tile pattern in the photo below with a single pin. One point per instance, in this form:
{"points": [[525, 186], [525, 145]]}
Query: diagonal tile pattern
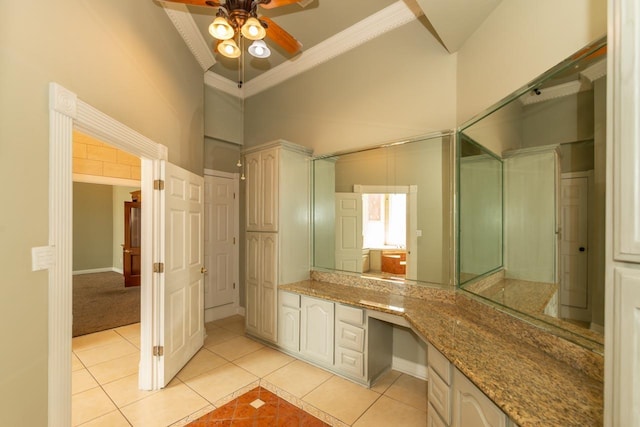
{"points": [[228, 369]]}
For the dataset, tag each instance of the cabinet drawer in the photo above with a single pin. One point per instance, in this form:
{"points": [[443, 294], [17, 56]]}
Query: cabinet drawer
{"points": [[350, 362], [349, 336], [352, 315], [433, 419], [439, 396], [440, 364], [288, 299]]}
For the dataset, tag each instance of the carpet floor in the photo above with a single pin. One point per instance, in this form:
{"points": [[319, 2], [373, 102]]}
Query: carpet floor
{"points": [[100, 302], [258, 408]]}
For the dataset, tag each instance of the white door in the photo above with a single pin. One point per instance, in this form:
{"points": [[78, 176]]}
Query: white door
{"points": [[181, 306], [349, 232], [573, 242], [412, 233], [219, 241]]}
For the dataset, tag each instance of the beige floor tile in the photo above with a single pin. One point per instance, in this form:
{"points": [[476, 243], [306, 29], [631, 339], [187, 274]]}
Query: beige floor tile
{"points": [[236, 318], [131, 333], [263, 361], [90, 404], [237, 327], [342, 399], [409, 390], [125, 391], [164, 408], [236, 348], [298, 378], [220, 382], [94, 355], [97, 339], [112, 419], [82, 380], [385, 381], [388, 412], [76, 364], [218, 336], [114, 369], [203, 361]]}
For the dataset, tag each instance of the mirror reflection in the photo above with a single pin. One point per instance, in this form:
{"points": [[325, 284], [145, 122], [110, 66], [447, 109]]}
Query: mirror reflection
{"points": [[386, 212], [551, 140]]}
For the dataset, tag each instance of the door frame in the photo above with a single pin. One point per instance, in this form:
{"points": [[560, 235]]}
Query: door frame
{"points": [[66, 113], [213, 314]]}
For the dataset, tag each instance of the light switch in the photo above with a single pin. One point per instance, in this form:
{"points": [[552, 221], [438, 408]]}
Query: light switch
{"points": [[42, 258], [418, 233]]}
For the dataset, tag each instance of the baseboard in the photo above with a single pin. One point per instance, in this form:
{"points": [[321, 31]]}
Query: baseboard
{"points": [[215, 313], [408, 367], [597, 328], [97, 270]]}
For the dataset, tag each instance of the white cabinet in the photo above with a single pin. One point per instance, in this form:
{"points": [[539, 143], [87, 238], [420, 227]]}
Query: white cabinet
{"points": [[316, 330], [439, 387], [261, 281], [471, 408], [289, 322], [277, 229]]}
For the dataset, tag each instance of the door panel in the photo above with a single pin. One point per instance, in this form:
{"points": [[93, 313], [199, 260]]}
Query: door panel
{"points": [[182, 317], [349, 232], [573, 244]]}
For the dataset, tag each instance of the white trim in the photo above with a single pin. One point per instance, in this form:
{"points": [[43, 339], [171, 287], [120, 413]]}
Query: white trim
{"points": [[105, 180], [221, 174], [215, 313], [67, 112], [580, 174], [186, 26], [595, 71], [389, 18], [409, 367]]}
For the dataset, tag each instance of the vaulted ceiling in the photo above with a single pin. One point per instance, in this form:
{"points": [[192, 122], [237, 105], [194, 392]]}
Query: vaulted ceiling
{"points": [[326, 28]]}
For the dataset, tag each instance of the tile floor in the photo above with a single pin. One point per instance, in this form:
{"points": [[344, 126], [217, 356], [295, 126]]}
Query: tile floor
{"points": [[105, 384]]}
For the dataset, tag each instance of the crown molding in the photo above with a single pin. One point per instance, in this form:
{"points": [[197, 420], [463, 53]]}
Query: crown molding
{"points": [[389, 18], [552, 92], [595, 71], [186, 26]]}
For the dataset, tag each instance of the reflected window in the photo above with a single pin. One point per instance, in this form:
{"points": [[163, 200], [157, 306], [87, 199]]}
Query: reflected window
{"points": [[384, 220]]}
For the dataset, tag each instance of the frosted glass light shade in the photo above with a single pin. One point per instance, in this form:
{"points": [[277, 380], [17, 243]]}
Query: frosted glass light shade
{"points": [[259, 49], [221, 29], [253, 29], [229, 48]]}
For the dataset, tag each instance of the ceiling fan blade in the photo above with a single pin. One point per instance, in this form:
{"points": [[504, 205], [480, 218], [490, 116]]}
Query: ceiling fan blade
{"points": [[281, 37], [277, 3], [206, 3]]}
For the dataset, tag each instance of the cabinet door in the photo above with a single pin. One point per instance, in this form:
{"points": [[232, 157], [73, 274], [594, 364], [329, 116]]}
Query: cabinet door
{"points": [[316, 337], [252, 186], [269, 285], [252, 279], [289, 328], [471, 408], [269, 181]]}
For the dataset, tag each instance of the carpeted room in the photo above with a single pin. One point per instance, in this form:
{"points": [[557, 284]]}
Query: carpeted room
{"points": [[100, 299]]}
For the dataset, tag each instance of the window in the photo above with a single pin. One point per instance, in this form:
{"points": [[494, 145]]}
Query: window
{"points": [[384, 221]]}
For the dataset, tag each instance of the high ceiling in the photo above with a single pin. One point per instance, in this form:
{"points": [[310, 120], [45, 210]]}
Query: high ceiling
{"points": [[315, 23]]}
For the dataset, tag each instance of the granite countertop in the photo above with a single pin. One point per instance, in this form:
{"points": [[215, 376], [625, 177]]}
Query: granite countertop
{"points": [[524, 380]]}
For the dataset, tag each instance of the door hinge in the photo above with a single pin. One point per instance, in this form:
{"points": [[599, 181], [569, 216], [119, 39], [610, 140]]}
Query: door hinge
{"points": [[158, 267], [234, 285], [234, 196], [234, 240], [158, 184], [158, 350]]}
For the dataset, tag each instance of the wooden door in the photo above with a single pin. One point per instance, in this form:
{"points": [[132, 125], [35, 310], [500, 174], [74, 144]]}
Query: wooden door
{"points": [[131, 247]]}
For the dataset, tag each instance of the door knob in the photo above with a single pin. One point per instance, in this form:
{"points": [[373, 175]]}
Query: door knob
{"points": [[203, 270], [582, 249], [127, 251]]}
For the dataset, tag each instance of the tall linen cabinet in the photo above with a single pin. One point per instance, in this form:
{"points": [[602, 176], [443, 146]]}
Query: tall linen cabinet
{"points": [[277, 229]]}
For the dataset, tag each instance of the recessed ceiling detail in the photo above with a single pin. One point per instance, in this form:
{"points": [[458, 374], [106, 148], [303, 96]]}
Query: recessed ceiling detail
{"points": [[186, 26]]}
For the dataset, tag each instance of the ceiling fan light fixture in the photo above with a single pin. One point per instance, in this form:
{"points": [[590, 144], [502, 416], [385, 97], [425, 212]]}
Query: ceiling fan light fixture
{"points": [[221, 29], [229, 48], [259, 49], [252, 29]]}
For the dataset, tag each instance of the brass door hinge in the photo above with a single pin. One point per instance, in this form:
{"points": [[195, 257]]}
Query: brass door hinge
{"points": [[158, 184], [158, 350], [158, 267]]}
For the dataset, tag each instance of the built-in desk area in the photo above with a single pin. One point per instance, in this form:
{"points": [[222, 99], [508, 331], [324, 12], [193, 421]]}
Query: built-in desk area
{"points": [[533, 378]]}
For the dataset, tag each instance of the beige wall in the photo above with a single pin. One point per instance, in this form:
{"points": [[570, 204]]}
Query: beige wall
{"points": [[92, 226], [124, 58], [223, 116], [397, 85], [519, 41], [221, 156]]}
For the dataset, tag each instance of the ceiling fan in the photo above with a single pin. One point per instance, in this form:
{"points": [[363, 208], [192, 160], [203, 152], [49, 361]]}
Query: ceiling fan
{"points": [[238, 19]]}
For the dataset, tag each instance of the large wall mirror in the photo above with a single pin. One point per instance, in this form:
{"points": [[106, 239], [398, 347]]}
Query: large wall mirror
{"points": [[386, 212], [540, 197]]}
